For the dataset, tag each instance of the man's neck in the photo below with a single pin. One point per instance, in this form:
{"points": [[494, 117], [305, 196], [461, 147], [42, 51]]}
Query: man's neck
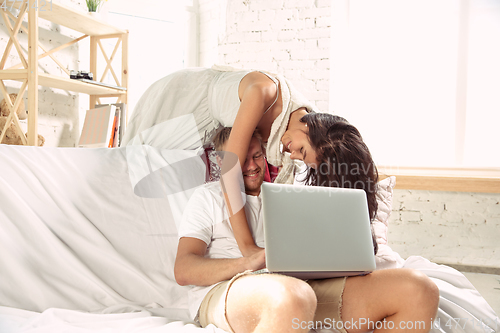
{"points": [[253, 193]]}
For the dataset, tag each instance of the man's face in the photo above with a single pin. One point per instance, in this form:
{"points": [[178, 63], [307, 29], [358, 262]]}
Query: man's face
{"points": [[254, 168]]}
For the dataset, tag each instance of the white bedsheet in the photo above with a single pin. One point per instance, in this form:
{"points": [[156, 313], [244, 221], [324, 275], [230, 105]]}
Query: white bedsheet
{"points": [[80, 252], [74, 235], [461, 308], [64, 321]]}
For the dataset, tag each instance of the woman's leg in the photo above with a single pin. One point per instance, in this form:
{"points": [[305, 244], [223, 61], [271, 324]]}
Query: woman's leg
{"points": [[401, 300]]}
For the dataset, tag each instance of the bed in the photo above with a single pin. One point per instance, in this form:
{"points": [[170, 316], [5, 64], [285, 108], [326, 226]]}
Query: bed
{"points": [[88, 240]]}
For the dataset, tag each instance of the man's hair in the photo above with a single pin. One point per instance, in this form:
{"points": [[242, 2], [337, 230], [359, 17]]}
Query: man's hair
{"points": [[220, 138]]}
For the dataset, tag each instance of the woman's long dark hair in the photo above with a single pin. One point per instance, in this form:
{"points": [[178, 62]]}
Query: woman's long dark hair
{"points": [[344, 159]]}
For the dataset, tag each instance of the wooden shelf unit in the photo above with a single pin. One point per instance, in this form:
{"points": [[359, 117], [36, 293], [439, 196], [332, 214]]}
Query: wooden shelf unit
{"points": [[27, 71]]}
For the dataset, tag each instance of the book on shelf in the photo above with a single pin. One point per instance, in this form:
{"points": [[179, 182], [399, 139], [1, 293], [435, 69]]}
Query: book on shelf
{"points": [[122, 123], [113, 141], [99, 127]]}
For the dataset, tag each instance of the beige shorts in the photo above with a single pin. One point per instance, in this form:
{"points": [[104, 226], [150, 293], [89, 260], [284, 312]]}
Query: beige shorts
{"points": [[328, 293]]}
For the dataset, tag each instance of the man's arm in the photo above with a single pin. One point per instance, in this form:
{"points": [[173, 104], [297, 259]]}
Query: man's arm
{"points": [[192, 268]]}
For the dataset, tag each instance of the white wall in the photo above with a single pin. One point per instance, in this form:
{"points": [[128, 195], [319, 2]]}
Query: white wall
{"points": [[292, 37]]}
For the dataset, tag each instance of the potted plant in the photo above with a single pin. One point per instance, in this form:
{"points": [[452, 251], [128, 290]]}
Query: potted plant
{"points": [[93, 5]]}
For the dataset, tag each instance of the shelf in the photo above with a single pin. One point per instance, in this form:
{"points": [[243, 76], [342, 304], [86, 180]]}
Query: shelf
{"points": [[13, 74], [47, 80], [52, 81], [77, 20]]}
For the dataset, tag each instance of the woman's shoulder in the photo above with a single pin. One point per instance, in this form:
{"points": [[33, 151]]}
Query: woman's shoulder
{"points": [[261, 83], [260, 77]]}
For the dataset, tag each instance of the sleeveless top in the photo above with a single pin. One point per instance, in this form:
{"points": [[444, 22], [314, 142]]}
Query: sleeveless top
{"points": [[224, 98]]}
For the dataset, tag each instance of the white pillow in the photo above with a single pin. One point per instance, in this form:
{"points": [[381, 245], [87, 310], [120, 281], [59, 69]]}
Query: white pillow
{"points": [[386, 257], [384, 200]]}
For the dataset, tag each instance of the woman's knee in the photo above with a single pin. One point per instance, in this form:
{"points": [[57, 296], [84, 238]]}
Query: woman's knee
{"points": [[421, 289], [387, 292]]}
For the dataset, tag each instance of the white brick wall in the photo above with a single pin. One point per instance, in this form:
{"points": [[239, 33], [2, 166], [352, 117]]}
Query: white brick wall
{"points": [[212, 24], [290, 37], [447, 227]]}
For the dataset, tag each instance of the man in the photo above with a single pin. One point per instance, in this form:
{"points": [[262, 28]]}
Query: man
{"points": [[225, 294]]}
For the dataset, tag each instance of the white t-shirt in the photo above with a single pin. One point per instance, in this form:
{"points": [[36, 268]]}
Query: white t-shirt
{"points": [[206, 218]]}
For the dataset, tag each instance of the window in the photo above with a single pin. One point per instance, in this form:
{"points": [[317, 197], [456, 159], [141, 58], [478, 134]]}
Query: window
{"points": [[420, 79]]}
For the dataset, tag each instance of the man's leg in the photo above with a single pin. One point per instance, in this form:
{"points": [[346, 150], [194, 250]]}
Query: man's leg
{"points": [[401, 300], [270, 303]]}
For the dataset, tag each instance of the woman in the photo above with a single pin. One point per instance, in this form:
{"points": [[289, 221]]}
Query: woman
{"points": [[181, 111]]}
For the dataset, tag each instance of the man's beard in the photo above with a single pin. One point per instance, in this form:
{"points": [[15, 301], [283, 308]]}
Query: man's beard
{"points": [[254, 185]]}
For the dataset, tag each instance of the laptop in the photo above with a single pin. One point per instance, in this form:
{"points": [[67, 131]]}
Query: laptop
{"points": [[314, 232]]}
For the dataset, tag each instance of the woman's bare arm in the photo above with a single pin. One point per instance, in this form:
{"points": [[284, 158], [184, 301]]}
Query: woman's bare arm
{"points": [[257, 92]]}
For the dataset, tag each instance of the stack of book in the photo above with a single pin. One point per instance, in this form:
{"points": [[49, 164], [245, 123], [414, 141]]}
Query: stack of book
{"points": [[104, 126]]}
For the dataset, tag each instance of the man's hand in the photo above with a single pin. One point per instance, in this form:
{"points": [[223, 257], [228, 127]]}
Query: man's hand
{"points": [[249, 250], [257, 260], [192, 268]]}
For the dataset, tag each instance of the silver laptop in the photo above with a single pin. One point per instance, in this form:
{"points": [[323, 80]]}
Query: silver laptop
{"points": [[314, 232]]}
